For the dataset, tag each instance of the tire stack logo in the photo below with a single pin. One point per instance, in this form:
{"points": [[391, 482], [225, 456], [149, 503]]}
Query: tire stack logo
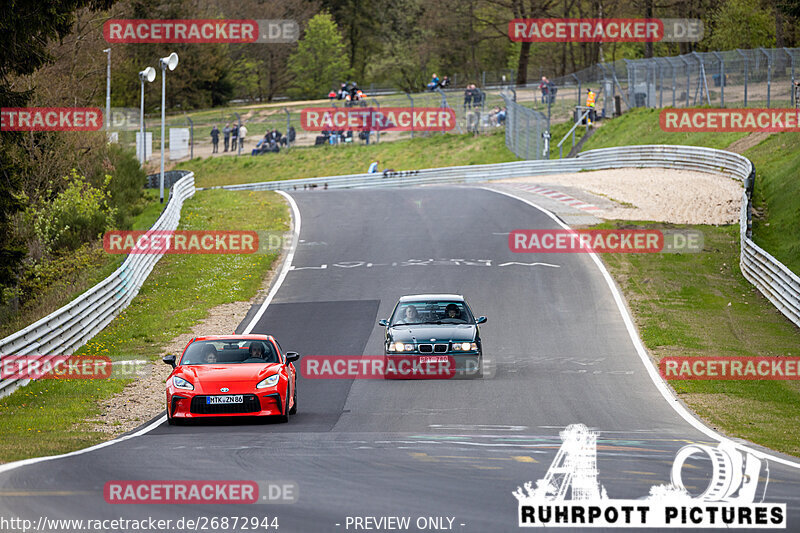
{"points": [[727, 501]]}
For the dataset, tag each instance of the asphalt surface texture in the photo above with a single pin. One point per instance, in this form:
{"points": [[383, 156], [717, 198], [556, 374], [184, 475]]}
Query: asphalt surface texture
{"points": [[557, 352]]}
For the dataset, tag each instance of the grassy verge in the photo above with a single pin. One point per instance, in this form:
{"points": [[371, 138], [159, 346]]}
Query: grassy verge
{"points": [[47, 416], [700, 305], [308, 162]]}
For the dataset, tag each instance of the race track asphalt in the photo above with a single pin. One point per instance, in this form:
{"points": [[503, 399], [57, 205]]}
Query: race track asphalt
{"points": [[557, 348]]}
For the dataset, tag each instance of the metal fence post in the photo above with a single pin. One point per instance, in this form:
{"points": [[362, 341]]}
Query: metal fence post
{"points": [[686, 66], [377, 133], [238, 144], [769, 74], [191, 137], [744, 57], [412, 113], [721, 78], [631, 82], [674, 79], [791, 61], [288, 126]]}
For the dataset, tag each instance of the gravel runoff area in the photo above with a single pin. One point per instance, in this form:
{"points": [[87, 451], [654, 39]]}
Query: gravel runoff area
{"points": [[144, 397], [654, 194]]}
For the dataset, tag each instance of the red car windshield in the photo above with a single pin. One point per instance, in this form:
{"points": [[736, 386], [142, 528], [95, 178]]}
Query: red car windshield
{"points": [[233, 351]]}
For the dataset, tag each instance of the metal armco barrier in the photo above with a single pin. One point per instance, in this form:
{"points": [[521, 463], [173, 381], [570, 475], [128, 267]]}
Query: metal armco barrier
{"points": [[67, 329], [778, 284]]}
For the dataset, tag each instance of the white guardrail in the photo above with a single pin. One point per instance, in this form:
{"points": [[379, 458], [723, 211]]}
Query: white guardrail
{"points": [[67, 329], [779, 284], [73, 325]]}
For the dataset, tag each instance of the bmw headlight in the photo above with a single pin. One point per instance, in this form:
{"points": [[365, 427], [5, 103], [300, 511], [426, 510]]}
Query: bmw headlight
{"points": [[465, 346], [181, 383], [401, 347], [268, 382]]}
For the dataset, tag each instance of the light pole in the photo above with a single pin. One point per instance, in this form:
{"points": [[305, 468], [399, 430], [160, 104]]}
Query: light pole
{"points": [[171, 61], [108, 88], [146, 75]]}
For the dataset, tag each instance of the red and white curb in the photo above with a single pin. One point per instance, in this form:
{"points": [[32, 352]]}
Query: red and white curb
{"points": [[557, 195]]}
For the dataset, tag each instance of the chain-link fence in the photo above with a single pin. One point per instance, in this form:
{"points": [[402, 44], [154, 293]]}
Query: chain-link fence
{"points": [[527, 134], [476, 112], [757, 78]]}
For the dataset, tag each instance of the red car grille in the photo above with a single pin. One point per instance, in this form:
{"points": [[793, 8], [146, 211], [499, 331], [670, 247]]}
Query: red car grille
{"points": [[250, 405]]}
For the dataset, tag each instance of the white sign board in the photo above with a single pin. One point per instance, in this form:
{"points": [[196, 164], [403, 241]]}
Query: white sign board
{"points": [[178, 143], [148, 145]]}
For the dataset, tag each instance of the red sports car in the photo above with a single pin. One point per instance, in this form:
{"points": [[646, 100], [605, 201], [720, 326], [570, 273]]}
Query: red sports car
{"points": [[232, 375]]}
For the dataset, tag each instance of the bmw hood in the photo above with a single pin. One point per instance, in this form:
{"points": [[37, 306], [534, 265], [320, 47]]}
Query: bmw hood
{"points": [[425, 332]]}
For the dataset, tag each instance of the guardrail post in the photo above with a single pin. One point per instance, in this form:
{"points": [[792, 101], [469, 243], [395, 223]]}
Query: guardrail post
{"points": [[744, 57], [769, 74]]}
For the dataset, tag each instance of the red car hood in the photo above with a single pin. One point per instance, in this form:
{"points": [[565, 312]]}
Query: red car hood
{"points": [[222, 374]]}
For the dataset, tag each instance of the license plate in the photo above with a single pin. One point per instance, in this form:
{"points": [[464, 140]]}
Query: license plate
{"points": [[433, 359], [214, 400]]}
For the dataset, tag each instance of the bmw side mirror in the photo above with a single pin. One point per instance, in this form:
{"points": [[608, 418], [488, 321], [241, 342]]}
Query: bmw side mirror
{"points": [[169, 359], [383, 322], [481, 320], [291, 357]]}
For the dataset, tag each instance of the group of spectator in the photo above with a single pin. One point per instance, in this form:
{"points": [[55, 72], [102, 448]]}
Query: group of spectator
{"points": [[473, 97], [339, 136], [273, 140], [548, 90], [436, 83], [230, 136], [349, 92]]}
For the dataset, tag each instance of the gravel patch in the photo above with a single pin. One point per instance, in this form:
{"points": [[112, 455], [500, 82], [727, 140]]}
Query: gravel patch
{"points": [[654, 194]]}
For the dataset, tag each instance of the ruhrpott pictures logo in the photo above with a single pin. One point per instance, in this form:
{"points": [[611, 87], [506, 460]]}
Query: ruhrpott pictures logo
{"points": [[727, 501]]}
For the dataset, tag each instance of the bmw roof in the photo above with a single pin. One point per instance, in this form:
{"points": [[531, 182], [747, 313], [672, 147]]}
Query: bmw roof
{"points": [[425, 297]]}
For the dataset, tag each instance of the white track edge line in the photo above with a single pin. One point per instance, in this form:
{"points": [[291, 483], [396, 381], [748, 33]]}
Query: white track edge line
{"points": [[286, 264], [660, 384]]}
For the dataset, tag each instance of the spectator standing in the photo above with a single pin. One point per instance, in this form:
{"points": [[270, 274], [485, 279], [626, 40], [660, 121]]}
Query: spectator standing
{"points": [[226, 135], [544, 87], [468, 96], [590, 98], [242, 135], [214, 139], [234, 137]]}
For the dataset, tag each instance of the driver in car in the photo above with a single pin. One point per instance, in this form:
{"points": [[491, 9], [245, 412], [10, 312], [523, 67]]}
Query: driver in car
{"points": [[410, 315], [452, 311], [256, 350], [211, 354]]}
